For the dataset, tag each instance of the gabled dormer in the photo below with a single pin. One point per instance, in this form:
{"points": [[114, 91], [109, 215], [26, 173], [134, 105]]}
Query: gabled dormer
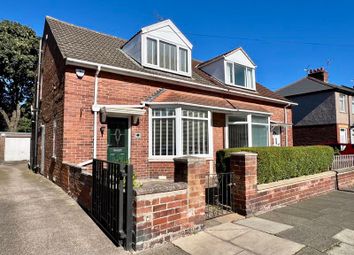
{"points": [[234, 68], [161, 46]]}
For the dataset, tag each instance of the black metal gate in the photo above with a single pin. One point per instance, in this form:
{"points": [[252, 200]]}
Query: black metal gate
{"points": [[112, 204], [218, 194]]}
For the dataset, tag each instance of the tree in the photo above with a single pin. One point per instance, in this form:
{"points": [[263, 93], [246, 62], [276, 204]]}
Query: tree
{"points": [[18, 65]]}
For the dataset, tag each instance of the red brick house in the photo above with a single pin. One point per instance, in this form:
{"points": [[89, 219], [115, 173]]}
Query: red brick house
{"points": [[147, 101]]}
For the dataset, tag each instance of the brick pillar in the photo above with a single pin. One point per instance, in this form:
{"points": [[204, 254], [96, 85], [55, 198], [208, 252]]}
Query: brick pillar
{"points": [[244, 167], [193, 170]]}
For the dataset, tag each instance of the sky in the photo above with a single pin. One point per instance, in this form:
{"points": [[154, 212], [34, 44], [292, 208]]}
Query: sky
{"points": [[283, 38]]}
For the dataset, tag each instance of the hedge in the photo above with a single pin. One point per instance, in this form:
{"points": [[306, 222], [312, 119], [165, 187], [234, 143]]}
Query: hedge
{"points": [[279, 163]]}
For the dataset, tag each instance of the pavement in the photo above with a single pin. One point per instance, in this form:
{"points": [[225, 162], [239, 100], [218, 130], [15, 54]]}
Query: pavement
{"points": [[321, 225], [38, 217]]}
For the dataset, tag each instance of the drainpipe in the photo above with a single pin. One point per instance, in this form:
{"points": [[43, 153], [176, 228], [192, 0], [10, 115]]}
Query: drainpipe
{"points": [[95, 109], [34, 138], [286, 124]]}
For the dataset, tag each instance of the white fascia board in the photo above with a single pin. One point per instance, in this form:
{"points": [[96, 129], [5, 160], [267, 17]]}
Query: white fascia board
{"points": [[170, 80], [164, 23], [215, 108]]}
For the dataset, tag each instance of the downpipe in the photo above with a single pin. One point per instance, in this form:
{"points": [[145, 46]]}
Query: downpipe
{"points": [[95, 109]]}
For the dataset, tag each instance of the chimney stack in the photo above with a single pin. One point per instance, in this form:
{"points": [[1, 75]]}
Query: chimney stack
{"points": [[319, 74]]}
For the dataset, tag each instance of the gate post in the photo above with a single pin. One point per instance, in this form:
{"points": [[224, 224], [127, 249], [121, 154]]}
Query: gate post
{"points": [[244, 167], [193, 171]]}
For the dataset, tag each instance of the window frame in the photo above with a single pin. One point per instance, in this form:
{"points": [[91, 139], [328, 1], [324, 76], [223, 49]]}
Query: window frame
{"points": [[157, 66], [342, 100], [352, 105], [345, 133], [249, 127], [179, 133], [233, 83]]}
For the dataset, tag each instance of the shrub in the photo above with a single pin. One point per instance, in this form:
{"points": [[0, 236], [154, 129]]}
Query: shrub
{"points": [[279, 163]]}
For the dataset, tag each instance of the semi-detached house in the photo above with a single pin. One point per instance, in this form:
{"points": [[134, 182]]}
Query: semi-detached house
{"points": [[146, 101]]}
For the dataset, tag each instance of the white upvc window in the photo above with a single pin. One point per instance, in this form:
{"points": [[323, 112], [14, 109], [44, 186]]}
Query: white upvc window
{"points": [[352, 135], [247, 130], [343, 135], [167, 56], [342, 102], [239, 75], [178, 132], [163, 132], [352, 105]]}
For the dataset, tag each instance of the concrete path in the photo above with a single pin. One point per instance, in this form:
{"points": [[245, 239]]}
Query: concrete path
{"points": [[37, 217]]}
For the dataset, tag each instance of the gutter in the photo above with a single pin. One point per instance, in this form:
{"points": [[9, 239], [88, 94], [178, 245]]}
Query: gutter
{"points": [[170, 80]]}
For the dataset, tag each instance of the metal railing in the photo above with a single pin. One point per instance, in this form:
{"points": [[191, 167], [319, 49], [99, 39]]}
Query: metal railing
{"points": [[343, 162], [112, 200]]}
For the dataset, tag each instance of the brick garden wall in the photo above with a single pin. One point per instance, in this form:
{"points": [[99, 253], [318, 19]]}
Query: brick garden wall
{"points": [[345, 179], [250, 198], [179, 210]]}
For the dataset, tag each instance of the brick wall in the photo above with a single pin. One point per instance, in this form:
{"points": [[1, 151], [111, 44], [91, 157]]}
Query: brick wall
{"points": [[249, 197], [118, 89], [345, 179], [163, 216], [51, 106], [315, 135]]}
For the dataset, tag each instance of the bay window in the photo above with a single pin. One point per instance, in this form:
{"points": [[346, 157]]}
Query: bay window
{"points": [[163, 132], [178, 132], [195, 132], [247, 130], [239, 75]]}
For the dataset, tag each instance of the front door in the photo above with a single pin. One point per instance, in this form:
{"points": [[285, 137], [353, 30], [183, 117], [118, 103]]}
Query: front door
{"points": [[117, 140], [276, 136]]}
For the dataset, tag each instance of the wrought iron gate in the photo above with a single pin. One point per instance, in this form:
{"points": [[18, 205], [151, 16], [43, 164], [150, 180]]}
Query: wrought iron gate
{"points": [[218, 194], [112, 205]]}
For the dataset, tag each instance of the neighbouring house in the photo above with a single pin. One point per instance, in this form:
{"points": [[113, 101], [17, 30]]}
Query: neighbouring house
{"points": [[324, 114], [146, 101]]}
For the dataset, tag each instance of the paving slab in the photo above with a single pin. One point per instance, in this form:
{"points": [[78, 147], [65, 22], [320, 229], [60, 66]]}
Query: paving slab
{"points": [[309, 251], [266, 244], [264, 225], [203, 243], [342, 249], [227, 231], [314, 236], [345, 236]]}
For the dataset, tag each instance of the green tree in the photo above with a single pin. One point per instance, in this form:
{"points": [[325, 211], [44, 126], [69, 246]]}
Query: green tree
{"points": [[18, 65]]}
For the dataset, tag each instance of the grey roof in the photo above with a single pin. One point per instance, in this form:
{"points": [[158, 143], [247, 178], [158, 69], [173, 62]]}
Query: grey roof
{"points": [[88, 45], [311, 85]]}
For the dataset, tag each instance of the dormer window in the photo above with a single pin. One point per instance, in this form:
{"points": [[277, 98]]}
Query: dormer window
{"points": [[161, 46], [234, 68], [166, 56], [239, 75]]}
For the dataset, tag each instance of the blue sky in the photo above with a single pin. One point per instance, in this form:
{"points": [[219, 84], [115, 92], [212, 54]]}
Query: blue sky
{"points": [[282, 37]]}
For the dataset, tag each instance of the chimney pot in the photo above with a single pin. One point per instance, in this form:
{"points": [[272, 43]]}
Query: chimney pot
{"points": [[319, 74]]}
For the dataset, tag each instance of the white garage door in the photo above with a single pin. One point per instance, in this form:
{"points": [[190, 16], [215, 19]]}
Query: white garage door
{"points": [[17, 148]]}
